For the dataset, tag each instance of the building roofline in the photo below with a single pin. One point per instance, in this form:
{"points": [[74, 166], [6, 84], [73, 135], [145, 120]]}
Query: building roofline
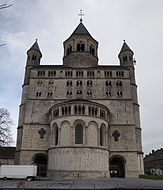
{"points": [[80, 68]]}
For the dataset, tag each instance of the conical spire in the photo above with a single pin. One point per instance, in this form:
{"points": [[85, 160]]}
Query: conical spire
{"points": [[35, 47], [125, 47], [81, 30]]}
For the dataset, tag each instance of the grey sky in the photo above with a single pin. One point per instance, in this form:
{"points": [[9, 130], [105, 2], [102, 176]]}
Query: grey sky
{"points": [[109, 22]]}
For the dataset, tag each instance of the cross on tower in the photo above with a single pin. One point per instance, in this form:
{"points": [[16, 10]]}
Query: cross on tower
{"points": [[81, 14], [116, 134], [42, 132]]}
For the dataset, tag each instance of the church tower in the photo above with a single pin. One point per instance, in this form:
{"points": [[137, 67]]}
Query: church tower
{"points": [[80, 119], [127, 60], [33, 59], [80, 49], [126, 55]]}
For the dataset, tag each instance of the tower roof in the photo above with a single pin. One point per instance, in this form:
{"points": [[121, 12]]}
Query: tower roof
{"points": [[125, 47], [81, 29], [35, 47]]}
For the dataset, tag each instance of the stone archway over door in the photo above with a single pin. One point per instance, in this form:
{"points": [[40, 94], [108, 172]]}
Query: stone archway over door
{"points": [[117, 167], [41, 161]]}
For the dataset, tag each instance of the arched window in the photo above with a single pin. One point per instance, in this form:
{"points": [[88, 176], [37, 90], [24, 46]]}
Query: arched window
{"points": [[79, 92], [108, 93], [79, 83], [102, 136], [119, 83], [69, 49], [34, 57], [95, 111], [119, 94], [69, 83], [79, 134], [55, 135], [56, 113], [39, 82], [69, 110], [69, 94], [125, 58], [49, 93], [89, 93], [89, 110], [92, 50], [63, 111], [89, 83], [75, 109], [108, 83], [80, 46]]}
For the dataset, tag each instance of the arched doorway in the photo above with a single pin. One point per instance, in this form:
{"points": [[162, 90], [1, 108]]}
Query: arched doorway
{"points": [[41, 161], [117, 167]]}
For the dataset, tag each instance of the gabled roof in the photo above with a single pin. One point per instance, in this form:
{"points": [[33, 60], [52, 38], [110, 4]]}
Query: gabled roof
{"points": [[125, 47], [7, 152], [155, 155], [81, 29], [35, 47]]}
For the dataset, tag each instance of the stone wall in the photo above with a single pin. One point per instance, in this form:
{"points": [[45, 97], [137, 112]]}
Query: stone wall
{"points": [[78, 162], [123, 116]]}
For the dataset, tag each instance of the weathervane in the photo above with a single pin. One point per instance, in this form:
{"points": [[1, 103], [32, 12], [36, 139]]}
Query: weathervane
{"points": [[81, 14]]}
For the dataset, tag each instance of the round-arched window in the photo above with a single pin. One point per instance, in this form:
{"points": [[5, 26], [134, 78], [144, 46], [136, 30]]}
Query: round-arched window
{"points": [[78, 134], [80, 46]]}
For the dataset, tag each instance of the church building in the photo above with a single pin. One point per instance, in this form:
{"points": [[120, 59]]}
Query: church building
{"points": [[80, 119]]}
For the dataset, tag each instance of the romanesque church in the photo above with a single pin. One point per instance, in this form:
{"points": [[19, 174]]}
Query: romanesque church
{"points": [[80, 119]]}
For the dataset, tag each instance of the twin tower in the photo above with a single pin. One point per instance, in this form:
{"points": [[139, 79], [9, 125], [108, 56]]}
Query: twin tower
{"points": [[80, 119]]}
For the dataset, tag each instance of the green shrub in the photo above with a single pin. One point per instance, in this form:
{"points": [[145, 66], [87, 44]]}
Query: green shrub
{"points": [[155, 177]]}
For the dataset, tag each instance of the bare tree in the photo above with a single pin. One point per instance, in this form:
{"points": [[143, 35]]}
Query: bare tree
{"points": [[5, 126], [2, 44], [4, 6]]}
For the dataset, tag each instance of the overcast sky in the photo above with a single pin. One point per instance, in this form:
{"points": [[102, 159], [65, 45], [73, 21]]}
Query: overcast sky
{"points": [[139, 22]]}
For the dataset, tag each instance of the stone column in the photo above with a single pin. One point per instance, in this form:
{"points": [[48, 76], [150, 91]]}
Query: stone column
{"points": [[98, 137], [86, 135], [86, 109], [71, 130], [60, 111], [106, 137], [51, 138]]}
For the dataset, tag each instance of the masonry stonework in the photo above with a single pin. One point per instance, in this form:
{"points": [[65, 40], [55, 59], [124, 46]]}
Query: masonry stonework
{"points": [[80, 119]]}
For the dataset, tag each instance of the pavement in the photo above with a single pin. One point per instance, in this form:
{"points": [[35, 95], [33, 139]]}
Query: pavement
{"points": [[113, 183]]}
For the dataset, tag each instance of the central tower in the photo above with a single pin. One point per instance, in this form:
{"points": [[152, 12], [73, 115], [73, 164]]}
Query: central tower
{"points": [[80, 49]]}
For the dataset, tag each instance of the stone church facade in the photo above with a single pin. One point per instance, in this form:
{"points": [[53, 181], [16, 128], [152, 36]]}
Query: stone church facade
{"points": [[80, 119]]}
